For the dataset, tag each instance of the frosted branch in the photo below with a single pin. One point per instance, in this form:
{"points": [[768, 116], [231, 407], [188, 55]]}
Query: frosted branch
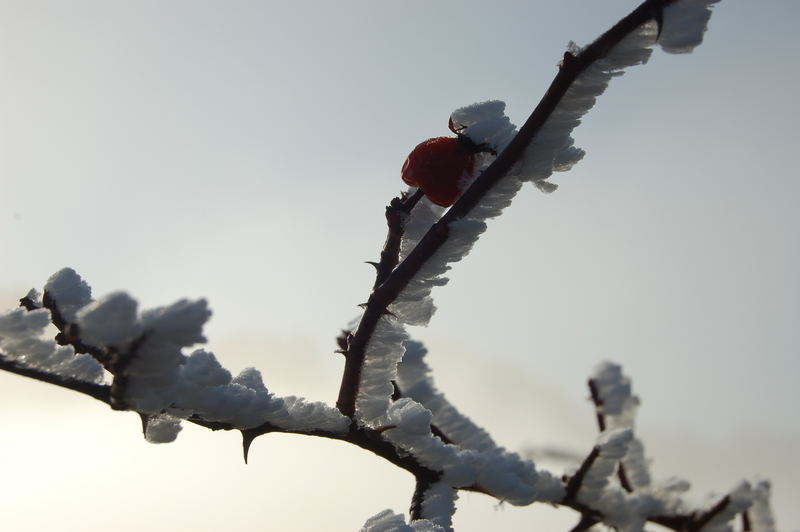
{"points": [[388, 403]]}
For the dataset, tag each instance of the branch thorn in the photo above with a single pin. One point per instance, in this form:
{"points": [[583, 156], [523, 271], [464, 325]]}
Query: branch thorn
{"points": [[145, 418], [248, 436]]}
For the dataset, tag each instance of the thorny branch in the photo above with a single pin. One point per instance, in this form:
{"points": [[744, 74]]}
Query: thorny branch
{"points": [[575, 481], [371, 440], [68, 333], [382, 296], [585, 523], [391, 279], [397, 213], [420, 487], [101, 392], [704, 518]]}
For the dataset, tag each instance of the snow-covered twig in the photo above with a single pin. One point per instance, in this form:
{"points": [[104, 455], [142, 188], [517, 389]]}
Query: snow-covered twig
{"points": [[387, 403]]}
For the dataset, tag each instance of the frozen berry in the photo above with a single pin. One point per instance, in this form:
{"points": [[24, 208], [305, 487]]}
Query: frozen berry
{"points": [[440, 167]]}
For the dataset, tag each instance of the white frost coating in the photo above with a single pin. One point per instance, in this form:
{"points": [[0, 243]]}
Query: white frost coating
{"points": [[626, 512], [202, 369], [81, 366], [414, 380], [740, 499], [614, 390], [161, 381], [485, 123], [552, 149], [761, 518], [385, 521], [69, 291], [416, 307], [111, 321], [506, 475], [410, 417], [439, 505], [159, 334], [19, 324], [251, 378], [476, 461], [162, 429], [431, 452], [685, 22], [424, 525], [613, 445], [166, 331], [201, 386], [636, 465], [669, 493], [383, 352], [462, 235], [21, 340], [618, 406], [181, 322], [501, 473], [424, 214], [549, 488], [388, 521]]}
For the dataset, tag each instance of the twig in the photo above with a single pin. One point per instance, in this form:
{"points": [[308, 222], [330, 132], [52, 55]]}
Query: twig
{"points": [[114, 360], [601, 424], [28, 304], [365, 438], [397, 213], [68, 333], [101, 392], [703, 519], [420, 487], [117, 365], [575, 481], [435, 430], [598, 402], [587, 521], [746, 526], [372, 442], [692, 522]]}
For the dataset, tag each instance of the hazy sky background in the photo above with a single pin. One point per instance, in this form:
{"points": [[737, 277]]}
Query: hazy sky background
{"points": [[244, 151]]}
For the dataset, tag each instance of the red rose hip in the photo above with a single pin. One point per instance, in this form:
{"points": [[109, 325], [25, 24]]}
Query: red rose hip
{"points": [[440, 167]]}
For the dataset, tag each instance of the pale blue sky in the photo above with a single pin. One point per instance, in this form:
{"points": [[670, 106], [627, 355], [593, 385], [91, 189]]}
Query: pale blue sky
{"points": [[243, 152]]}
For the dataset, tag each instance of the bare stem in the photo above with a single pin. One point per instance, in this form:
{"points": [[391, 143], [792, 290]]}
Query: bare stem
{"points": [[587, 521], [706, 517], [101, 392], [422, 485], [574, 483], [601, 424], [746, 526]]}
